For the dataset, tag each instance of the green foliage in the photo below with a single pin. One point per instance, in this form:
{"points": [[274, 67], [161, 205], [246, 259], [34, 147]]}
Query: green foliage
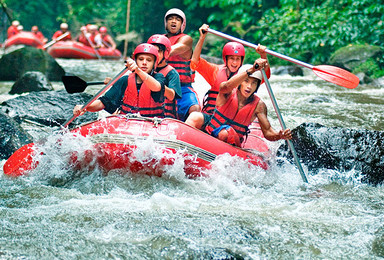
{"points": [[307, 30]]}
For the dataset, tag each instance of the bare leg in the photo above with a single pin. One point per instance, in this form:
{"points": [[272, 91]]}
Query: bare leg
{"points": [[195, 119]]}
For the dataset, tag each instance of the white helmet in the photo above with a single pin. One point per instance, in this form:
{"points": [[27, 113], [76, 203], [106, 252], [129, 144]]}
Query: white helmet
{"points": [[64, 26], [175, 11], [256, 74], [15, 23]]}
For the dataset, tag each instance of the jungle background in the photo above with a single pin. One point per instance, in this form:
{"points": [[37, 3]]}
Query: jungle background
{"points": [[308, 30]]}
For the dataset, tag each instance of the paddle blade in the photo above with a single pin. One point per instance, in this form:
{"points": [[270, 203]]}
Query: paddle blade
{"points": [[73, 84], [337, 76], [21, 161]]}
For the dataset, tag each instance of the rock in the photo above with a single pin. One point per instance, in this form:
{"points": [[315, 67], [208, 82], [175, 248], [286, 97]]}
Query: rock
{"points": [[14, 64], [50, 108], [340, 149], [290, 70], [31, 81], [379, 82], [352, 56], [12, 136]]}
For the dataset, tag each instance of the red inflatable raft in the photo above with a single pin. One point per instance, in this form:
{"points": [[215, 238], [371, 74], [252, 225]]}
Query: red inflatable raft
{"points": [[77, 50], [116, 138], [24, 38]]}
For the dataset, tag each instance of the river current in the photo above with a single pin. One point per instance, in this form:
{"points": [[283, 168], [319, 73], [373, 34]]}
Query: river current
{"points": [[237, 213]]}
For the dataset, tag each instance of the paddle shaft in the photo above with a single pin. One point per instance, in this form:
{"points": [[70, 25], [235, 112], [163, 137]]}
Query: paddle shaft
{"points": [[55, 40], [282, 56], [93, 46], [101, 92], [279, 116], [95, 83]]}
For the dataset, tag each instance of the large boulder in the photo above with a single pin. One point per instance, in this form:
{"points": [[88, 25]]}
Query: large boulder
{"points": [[31, 81], [12, 136], [50, 108], [366, 61], [14, 64], [356, 150]]}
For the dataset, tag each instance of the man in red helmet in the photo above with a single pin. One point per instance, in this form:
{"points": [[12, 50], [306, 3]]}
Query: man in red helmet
{"points": [[140, 92], [237, 106], [103, 39], [233, 57], [179, 58], [63, 29], [38, 34], [172, 79]]}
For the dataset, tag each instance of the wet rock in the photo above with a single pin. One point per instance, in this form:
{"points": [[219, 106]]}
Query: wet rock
{"points": [[50, 108], [352, 56], [14, 64], [378, 243], [340, 149], [319, 99], [288, 70], [12, 136], [31, 81]]}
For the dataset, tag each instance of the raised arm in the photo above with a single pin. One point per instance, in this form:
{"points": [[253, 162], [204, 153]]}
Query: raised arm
{"points": [[199, 45], [226, 87], [183, 47], [153, 84]]}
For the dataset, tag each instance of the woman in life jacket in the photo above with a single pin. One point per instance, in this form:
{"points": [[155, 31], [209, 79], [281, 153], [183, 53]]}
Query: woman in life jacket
{"points": [[237, 106], [141, 92], [172, 78]]}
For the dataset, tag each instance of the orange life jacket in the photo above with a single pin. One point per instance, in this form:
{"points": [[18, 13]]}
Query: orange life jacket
{"points": [[209, 102], [135, 101], [170, 107], [227, 114], [181, 65]]}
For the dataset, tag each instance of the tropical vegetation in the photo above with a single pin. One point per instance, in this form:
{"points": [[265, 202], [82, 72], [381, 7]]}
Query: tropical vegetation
{"points": [[309, 30]]}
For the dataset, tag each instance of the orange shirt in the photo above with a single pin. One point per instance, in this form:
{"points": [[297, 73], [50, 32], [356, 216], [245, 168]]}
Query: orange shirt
{"points": [[206, 69]]}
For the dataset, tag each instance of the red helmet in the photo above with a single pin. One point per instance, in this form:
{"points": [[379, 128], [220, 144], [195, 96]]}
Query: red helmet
{"points": [[233, 48], [103, 29], [148, 49], [175, 11], [163, 40]]}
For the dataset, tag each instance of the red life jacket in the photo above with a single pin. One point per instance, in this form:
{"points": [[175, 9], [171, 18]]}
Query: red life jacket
{"points": [[170, 107], [209, 102], [181, 65], [92, 38], [227, 114], [140, 101]]}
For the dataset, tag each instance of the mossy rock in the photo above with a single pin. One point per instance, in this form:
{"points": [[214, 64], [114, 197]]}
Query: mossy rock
{"points": [[16, 63], [352, 56]]}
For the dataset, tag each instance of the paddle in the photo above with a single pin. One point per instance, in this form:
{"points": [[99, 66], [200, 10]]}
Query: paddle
{"points": [[279, 116], [93, 46], [74, 84], [23, 159], [49, 44], [329, 73]]}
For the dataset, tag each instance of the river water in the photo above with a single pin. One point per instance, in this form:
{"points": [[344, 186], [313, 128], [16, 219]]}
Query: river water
{"points": [[57, 214]]}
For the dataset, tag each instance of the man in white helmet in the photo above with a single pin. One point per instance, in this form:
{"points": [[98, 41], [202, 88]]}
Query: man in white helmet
{"points": [[237, 106], [180, 58], [12, 30], [63, 29]]}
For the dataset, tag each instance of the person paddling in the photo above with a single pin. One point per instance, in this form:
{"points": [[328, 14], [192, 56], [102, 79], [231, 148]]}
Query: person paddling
{"points": [[12, 30], [179, 58], [140, 92], [63, 29], [172, 79], [104, 39], [38, 34], [237, 106], [233, 56]]}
